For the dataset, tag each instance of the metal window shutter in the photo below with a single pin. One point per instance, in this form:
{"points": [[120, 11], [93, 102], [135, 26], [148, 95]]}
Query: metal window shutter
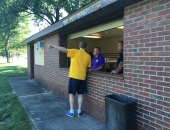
{"points": [[96, 29]]}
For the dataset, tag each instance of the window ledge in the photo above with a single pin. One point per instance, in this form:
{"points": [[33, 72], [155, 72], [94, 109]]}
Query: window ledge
{"points": [[106, 74]]}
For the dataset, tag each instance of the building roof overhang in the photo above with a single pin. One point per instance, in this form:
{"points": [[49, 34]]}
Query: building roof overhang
{"points": [[95, 13]]}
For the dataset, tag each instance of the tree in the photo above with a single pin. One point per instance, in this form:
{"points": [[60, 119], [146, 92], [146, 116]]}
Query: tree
{"points": [[73, 5], [10, 41], [8, 23], [13, 13], [6, 35], [46, 10], [15, 48], [13, 27]]}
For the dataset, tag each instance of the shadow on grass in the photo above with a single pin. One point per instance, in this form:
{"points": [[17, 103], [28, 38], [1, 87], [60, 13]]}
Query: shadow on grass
{"points": [[9, 71], [12, 71]]}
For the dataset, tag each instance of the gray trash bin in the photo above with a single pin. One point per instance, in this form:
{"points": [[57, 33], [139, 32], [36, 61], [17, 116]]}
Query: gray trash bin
{"points": [[120, 112]]}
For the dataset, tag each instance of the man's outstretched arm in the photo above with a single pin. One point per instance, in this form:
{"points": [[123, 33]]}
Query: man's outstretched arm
{"points": [[62, 49]]}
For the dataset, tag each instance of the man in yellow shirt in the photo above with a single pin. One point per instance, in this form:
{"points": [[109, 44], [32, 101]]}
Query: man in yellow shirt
{"points": [[80, 61]]}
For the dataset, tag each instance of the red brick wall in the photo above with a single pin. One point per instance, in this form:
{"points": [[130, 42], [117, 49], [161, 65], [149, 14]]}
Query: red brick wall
{"points": [[147, 61], [50, 75], [146, 68]]}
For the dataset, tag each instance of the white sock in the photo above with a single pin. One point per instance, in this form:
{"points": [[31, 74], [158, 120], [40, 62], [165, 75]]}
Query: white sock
{"points": [[79, 111], [72, 111]]}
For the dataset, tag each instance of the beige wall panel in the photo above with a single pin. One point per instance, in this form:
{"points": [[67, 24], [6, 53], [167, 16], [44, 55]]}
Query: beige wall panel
{"points": [[39, 55]]}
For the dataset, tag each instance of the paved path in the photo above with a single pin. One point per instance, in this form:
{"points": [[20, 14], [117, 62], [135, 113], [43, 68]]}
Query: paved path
{"points": [[46, 110]]}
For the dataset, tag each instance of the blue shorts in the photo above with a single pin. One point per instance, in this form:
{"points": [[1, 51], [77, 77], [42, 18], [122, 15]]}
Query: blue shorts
{"points": [[77, 86]]}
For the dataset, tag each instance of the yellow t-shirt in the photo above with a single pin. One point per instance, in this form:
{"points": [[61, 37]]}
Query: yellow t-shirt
{"points": [[80, 61]]}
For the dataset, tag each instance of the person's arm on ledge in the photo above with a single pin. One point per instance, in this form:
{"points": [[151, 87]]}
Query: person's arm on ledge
{"points": [[62, 49], [120, 66], [97, 69]]}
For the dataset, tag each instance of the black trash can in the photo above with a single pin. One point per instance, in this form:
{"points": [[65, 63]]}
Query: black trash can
{"points": [[120, 112]]}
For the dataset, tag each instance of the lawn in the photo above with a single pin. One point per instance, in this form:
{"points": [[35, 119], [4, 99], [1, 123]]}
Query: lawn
{"points": [[12, 114]]}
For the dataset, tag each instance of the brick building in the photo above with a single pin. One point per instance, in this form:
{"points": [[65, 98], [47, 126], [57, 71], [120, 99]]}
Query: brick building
{"points": [[146, 35]]}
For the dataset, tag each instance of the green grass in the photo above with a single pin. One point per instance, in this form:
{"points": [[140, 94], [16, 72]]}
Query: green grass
{"points": [[12, 114]]}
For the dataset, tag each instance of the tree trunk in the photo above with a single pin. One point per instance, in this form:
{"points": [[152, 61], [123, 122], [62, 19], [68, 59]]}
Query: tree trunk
{"points": [[57, 16], [7, 56], [6, 50]]}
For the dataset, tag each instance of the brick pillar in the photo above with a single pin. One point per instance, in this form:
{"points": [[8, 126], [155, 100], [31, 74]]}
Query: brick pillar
{"points": [[147, 62]]}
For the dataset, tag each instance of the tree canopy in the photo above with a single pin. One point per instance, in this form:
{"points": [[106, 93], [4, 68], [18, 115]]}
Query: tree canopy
{"points": [[46, 10], [15, 16], [13, 29]]}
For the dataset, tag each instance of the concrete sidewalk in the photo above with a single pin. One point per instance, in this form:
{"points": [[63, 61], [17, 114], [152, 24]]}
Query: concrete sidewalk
{"points": [[46, 110]]}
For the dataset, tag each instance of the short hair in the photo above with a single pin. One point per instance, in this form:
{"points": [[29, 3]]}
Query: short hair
{"points": [[82, 44], [98, 48], [121, 42]]}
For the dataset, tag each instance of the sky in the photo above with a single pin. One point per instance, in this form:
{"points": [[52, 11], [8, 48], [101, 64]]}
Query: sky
{"points": [[34, 29]]}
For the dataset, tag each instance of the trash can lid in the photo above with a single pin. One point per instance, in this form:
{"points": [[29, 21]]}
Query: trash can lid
{"points": [[121, 99]]}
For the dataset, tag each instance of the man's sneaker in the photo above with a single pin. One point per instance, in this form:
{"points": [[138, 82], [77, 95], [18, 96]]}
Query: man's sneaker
{"points": [[69, 114], [79, 114]]}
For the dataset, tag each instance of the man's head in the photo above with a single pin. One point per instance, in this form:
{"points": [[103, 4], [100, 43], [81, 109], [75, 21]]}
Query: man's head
{"points": [[96, 51], [120, 46], [82, 45]]}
